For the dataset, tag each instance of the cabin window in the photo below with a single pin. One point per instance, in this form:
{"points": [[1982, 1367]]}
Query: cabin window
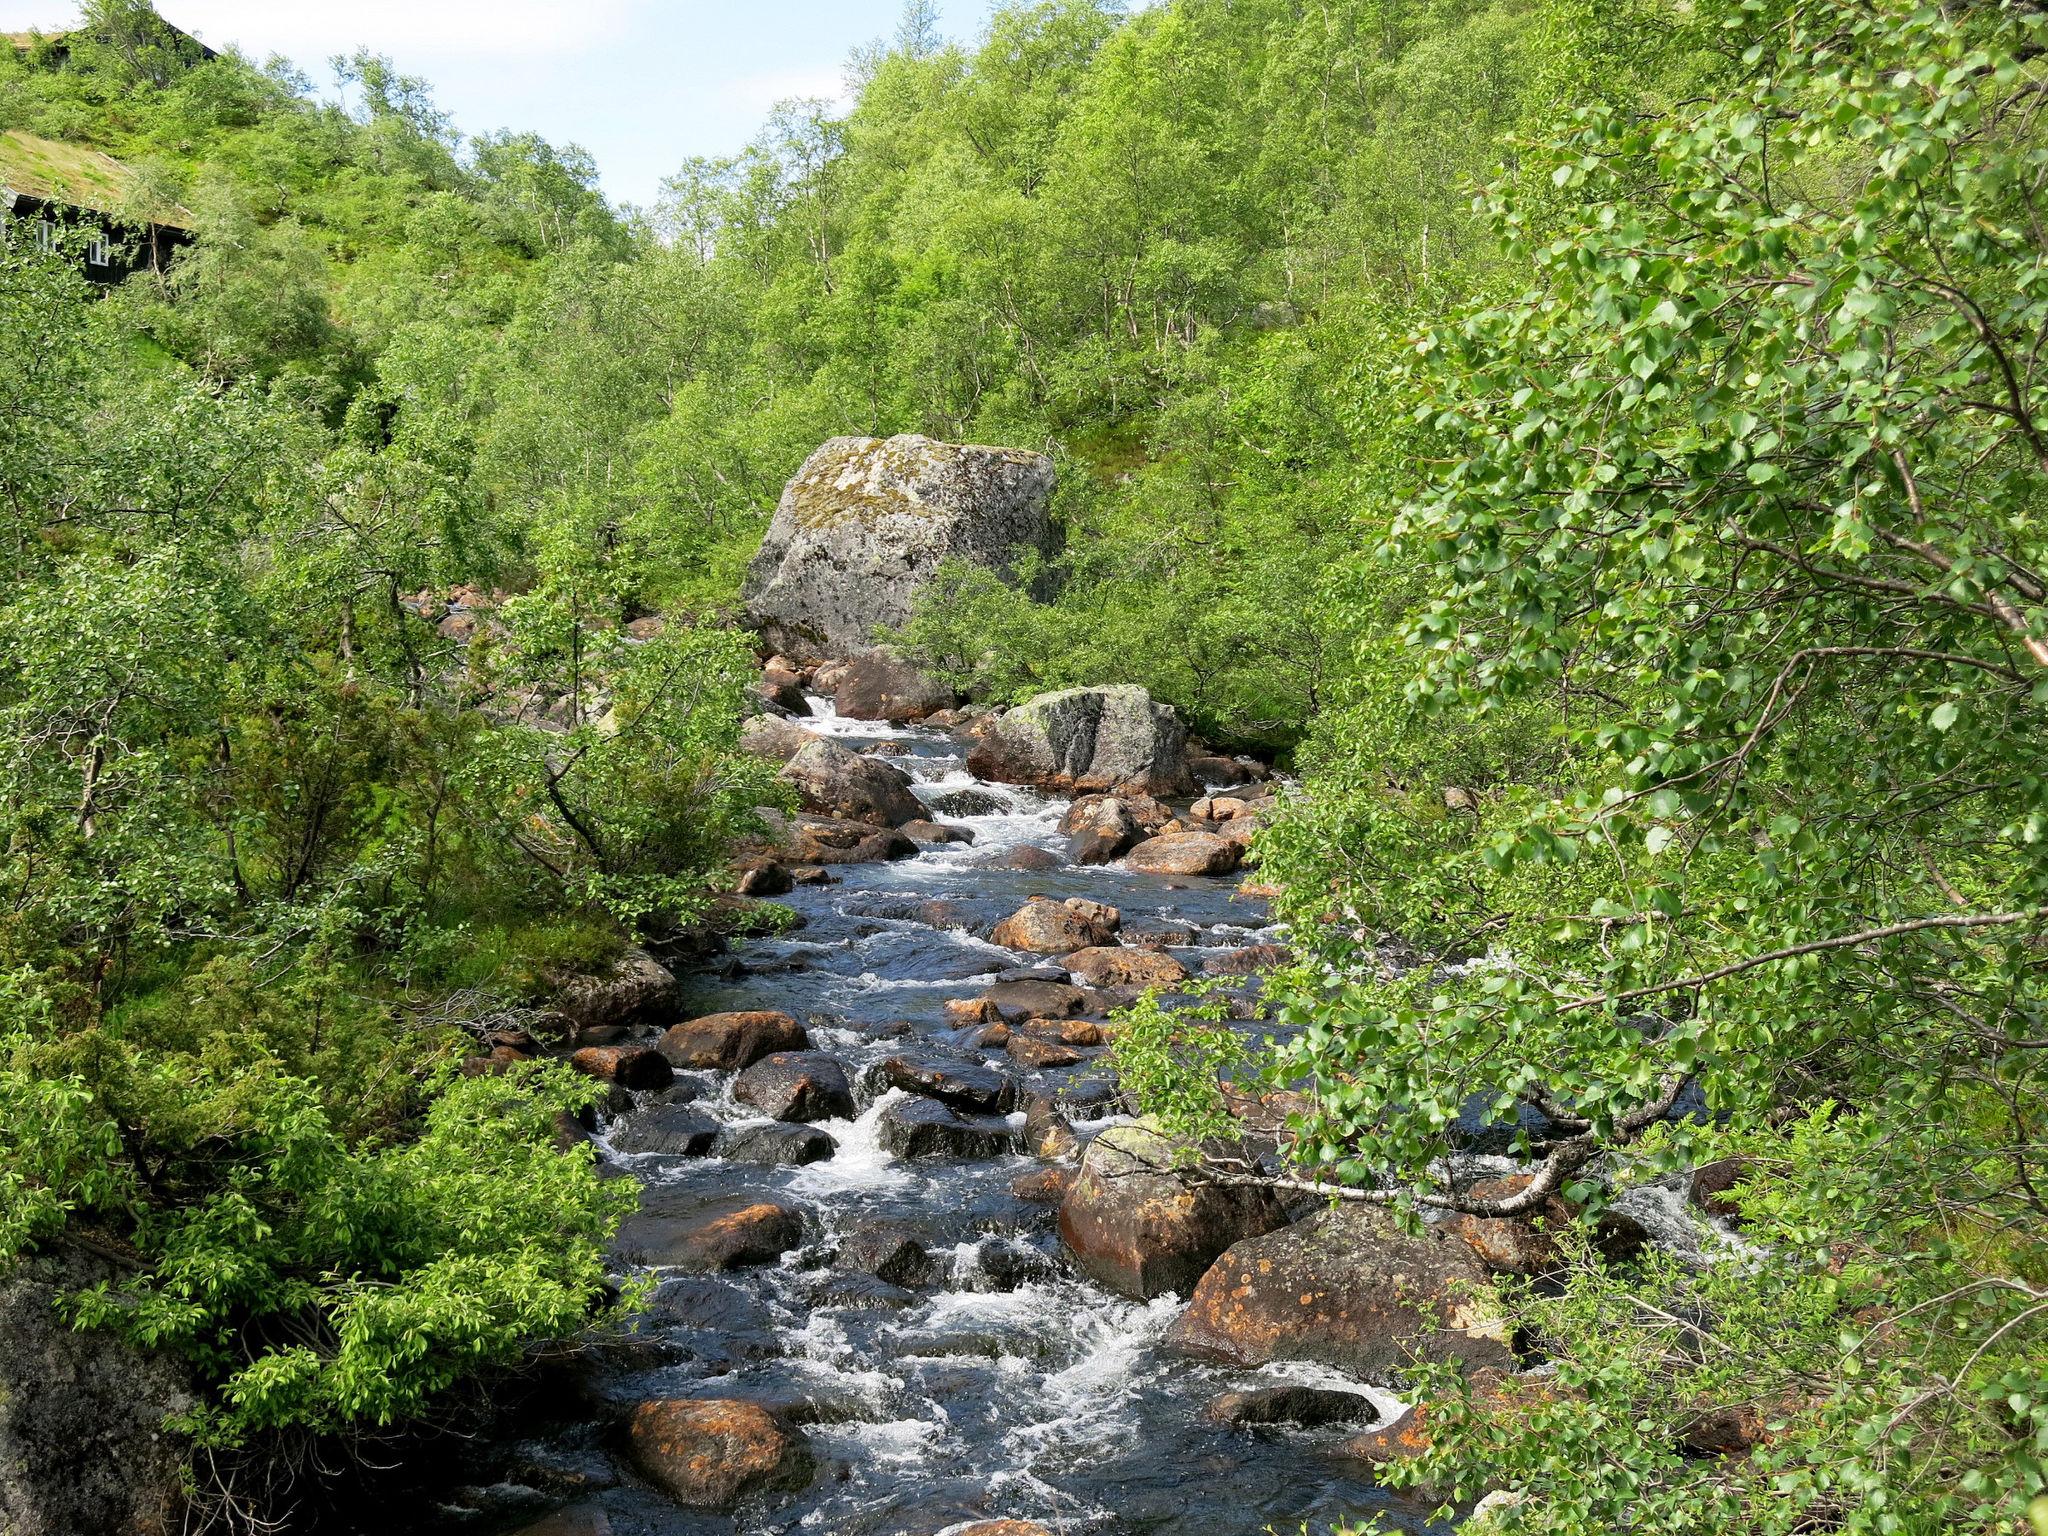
{"points": [[46, 235], [96, 252]]}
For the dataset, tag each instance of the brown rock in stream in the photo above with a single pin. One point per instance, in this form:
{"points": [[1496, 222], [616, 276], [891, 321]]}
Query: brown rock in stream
{"points": [[708, 1453], [728, 1042]]}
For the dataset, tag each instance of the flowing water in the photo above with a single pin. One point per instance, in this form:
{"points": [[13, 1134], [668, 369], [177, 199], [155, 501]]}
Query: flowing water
{"points": [[1008, 1388]]}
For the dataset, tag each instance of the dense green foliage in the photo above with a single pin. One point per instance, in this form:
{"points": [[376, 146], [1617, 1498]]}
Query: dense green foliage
{"points": [[283, 844], [1643, 564], [1711, 754]]}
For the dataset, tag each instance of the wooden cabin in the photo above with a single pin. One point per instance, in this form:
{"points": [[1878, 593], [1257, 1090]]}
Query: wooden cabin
{"points": [[58, 188]]}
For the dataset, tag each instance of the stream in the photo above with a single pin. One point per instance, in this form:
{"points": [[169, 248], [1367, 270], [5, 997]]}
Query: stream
{"points": [[1006, 1386]]}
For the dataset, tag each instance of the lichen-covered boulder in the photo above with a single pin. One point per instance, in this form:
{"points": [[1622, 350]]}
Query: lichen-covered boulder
{"points": [[867, 521], [1087, 740], [879, 687], [1344, 1288], [1139, 1225]]}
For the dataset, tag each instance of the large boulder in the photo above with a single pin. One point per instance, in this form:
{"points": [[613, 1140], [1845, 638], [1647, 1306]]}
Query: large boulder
{"points": [[1345, 1289], [879, 687], [775, 738], [960, 1084], [865, 524], [1112, 965], [1085, 740], [1140, 1226], [815, 840], [731, 1041], [678, 1229], [709, 1453], [633, 989], [1185, 853], [1100, 829], [831, 781], [918, 1127], [796, 1085], [82, 1440], [1046, 927]]}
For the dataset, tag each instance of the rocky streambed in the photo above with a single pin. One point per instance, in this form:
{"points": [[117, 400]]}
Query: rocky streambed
{"points": [[855, 1146]]}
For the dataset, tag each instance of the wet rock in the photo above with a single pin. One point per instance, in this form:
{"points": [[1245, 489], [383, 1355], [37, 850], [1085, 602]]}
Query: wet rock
{"points": [[827, 840], [933, 834], [1251, 960], [710, 1453], [1086, 1033], [1099, 830], [888, 1253], [1042, 1186], [1115, 966], [1041, 1055], [969, 802], [1087, 739], [630, 1066], [1001, 1528], [1711, 1183], [728, 1042], [1512, 1245], [962, 1085], [865, 524], [1344, 1288], [777, 1146], [1046, 1131], [762, 877], [918, 1127], [1211, 771], [1291, 1404], [675, 1129], [831, 781], [775, 738], [674, 1230], [83, 1446], [1027, 856], [1043, 926], [1003, 1264], [632, 990], [864, 1292], [1016, 1001], [796, 1085], [1141, 1227], [878, 687], [1184, 853]]}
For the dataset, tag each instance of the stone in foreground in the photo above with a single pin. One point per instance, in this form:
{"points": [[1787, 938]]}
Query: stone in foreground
{"points": [[710, 1453], [865, 524], [1344, 1289], [1141, 1227]]}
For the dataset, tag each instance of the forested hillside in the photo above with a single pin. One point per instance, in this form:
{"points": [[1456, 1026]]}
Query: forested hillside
{"points": [[1593, 445]]}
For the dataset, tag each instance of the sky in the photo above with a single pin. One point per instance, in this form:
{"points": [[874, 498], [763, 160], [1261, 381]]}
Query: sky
{"points": [[642, 84]]}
